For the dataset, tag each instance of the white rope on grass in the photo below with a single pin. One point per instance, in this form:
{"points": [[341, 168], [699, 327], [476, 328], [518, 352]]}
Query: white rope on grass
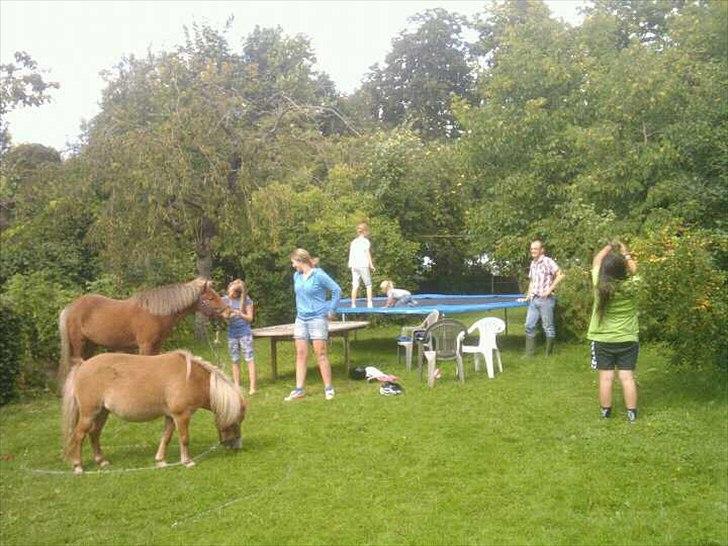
{"points": [[203, 513], [121, 470]]}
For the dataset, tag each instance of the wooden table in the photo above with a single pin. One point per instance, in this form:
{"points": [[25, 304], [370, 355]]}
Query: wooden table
{"points": [[285, 332]]}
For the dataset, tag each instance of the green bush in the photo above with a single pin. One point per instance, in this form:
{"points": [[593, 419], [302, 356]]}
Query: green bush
{"points": [[575, 297], [10, 352], [36, 299], [682, 296]]}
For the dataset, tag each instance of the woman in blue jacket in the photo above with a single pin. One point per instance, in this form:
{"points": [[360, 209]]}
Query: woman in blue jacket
{"points": [[313, 312]]}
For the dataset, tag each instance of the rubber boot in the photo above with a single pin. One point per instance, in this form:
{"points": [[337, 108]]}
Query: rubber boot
{"points": [[549, 346], [530, 345]]}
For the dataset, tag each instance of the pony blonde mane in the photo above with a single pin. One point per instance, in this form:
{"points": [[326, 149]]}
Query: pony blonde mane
{"points": [[170, 299], [224, 397]]}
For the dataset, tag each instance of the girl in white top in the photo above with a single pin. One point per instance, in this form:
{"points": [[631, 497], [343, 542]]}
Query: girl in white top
{"points": [[360, 263], [396, 296]]}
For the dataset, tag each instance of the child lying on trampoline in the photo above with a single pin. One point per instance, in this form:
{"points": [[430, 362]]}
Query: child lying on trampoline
{"points": [[396, 297]]}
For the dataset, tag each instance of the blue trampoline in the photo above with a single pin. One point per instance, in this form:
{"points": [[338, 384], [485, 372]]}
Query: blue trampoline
{"points": [[447, 304]]}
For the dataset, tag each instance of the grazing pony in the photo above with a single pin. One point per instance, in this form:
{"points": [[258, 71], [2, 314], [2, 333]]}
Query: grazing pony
{"points": [[142, 321], [142, 388]]}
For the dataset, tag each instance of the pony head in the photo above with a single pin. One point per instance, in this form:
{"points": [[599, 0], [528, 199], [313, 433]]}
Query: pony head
{"points": [[210, 303], [230, 436]]}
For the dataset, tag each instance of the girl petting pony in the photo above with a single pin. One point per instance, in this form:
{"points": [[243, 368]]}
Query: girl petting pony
{"points": [[240, 335]]}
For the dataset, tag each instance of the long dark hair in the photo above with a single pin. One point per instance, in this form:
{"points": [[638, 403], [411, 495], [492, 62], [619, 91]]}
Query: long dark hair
{"points": [[612, 272]]}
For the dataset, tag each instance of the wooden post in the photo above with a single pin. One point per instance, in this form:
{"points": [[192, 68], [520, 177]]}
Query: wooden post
{"points": [[273, 358]]}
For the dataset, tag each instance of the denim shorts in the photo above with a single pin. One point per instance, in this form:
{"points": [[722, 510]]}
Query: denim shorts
{"points": [[362, 273], [315, 328], [238, 345]]}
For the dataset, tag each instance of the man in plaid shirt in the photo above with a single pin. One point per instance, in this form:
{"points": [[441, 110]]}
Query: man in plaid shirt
{"points": [[544, 276]]}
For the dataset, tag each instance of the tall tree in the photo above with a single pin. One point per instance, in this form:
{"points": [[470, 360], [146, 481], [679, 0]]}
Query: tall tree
{"points": [[425, 69]]}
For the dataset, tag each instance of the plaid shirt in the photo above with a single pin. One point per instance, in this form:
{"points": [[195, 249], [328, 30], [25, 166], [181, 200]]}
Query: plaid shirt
{"points": [[542, 273]]}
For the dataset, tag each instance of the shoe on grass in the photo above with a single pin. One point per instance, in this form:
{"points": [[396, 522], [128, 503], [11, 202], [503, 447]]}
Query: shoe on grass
{"points": [[296, 394], [631, 415], [329, 393]]}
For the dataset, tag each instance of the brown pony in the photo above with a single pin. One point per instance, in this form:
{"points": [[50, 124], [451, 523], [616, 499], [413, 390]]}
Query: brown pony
{"points": [[142, 321], [142, 388]]}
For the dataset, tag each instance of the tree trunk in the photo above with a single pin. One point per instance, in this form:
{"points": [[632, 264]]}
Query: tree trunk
{"points": [[203, 251]]}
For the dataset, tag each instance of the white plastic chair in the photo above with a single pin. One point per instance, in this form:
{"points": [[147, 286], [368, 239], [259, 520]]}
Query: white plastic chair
{"points": [[488, 328], [409, 333]]}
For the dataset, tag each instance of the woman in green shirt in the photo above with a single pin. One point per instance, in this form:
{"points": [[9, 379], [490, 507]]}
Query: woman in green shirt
{"points": [[613, 328]]}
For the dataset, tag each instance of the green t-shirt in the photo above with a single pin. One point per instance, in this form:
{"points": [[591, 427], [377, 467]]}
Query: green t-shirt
{"points": [[619, 322]]}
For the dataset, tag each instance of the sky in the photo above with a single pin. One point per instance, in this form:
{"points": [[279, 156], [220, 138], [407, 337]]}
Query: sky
{"points": [[73, 41]]}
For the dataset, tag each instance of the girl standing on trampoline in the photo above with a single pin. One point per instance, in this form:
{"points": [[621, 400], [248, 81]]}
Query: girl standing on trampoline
{"points": [[613, 329], [311, 285], [360, 263]]}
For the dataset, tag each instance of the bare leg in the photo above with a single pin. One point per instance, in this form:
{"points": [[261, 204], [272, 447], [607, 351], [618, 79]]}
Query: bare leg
{"points": [[629, 388], [369, 297], [301, 357], [354, 293], [605, 387], [166, 437], [236, 373], [182, 421], [95, 435], [319, 347], [252, 377]]}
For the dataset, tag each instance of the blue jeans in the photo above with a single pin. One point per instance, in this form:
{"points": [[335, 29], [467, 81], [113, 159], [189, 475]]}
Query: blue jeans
{"points": [[311, 329], [541, 308]]}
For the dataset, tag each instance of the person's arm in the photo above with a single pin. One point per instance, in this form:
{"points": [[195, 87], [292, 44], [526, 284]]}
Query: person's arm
{"points": [[599, 256], [557, 279], [335, 289], [248, 313], [631, 264]]}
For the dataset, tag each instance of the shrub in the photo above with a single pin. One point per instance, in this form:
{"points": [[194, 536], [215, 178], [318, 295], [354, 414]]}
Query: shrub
{"points": [[682, 298], [575, 298], [36, 299], [10, 352]]}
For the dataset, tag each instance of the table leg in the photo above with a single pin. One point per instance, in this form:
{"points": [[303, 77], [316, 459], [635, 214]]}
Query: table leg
{"points": [[346, 351], [273, 358], [505, 313]]}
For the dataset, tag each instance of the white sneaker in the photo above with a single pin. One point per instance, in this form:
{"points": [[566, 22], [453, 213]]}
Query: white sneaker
{"points": [[296, 394], [329, 393]]}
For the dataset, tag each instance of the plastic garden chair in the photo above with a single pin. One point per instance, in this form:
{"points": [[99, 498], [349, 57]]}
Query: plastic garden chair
{"points": [[441, 343], [488, 328], [407, 336]]}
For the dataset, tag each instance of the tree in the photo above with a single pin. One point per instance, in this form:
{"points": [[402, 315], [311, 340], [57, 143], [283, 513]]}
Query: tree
{"points": [[183, 140], [21, 84], [425, 68]]}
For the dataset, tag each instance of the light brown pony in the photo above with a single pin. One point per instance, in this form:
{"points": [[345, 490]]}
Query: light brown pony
{"points": [[142, 388], [142, 321]]}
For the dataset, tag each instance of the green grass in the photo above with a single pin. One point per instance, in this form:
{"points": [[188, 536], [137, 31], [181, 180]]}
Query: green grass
{"points": [[522, 459]]}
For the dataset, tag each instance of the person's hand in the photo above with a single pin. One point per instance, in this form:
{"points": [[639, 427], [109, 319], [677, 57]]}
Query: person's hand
{"points": [[521, 300]]}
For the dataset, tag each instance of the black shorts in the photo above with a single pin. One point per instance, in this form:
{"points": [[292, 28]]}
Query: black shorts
{"points": [[621, 355]]}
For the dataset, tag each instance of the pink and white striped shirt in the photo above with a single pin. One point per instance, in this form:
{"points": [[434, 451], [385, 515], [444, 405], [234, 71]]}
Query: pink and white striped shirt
{"points": [[541, 274]]}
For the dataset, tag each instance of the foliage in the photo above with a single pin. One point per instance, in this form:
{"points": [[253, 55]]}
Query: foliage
{"points": [[11, 352], [683, 299], [21, 84], [425, 69], [36, 299]]}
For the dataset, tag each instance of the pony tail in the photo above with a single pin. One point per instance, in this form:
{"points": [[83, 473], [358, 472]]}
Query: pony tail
{"points": [[65, 360], [69, 410]]}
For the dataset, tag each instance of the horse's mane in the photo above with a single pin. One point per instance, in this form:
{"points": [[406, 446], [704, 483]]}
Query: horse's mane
{"points": [[171, 298], [224, 397]]}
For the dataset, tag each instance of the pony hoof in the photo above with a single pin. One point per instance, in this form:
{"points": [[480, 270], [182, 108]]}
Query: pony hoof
{"points": [[189, 464], [161, 464], [78, 470]]}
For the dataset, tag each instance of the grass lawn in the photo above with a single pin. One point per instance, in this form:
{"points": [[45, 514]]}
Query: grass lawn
{"points": [[521, 459]]}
